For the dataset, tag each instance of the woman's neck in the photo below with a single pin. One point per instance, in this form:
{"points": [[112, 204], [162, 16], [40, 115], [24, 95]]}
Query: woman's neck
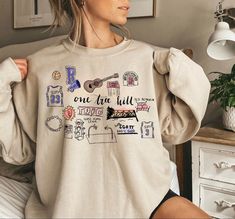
{"points": [[98, 34]]}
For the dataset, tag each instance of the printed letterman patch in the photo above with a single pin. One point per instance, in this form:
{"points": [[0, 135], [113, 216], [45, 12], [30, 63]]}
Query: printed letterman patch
{"points": [[75, 85], [125, 129], [54, 96], [120, 114], [54, 123], [71, 74], [107, 136], [147, 130], [69, 113], [71, 79], [68, 131], [79, 130], [130, 79], [56, 75], [113, 88]]}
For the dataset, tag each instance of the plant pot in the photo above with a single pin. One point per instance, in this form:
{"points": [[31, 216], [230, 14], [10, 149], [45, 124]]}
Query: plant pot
{"points": [[229, 118]]}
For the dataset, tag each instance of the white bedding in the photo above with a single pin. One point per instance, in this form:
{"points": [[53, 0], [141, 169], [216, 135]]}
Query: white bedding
{"points": [[13, 197]]}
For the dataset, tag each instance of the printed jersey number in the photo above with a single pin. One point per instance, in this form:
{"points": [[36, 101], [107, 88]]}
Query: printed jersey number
{"points": [[55, 99], [147, 131]]}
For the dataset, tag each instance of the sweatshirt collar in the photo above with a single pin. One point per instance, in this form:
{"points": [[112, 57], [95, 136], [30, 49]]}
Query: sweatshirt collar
{"points": [[79, 49]]}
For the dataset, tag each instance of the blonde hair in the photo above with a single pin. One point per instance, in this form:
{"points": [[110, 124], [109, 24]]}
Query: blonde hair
{"points": [[72, 10]]}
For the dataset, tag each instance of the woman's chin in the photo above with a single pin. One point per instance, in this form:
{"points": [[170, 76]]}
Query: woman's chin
{"points": [[121, 21]]}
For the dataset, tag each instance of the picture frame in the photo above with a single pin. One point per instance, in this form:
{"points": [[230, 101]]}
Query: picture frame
{"points": [[142, 8], [32, 13]]}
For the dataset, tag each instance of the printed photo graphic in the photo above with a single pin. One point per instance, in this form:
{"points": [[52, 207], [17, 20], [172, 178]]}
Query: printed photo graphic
{"points": [[95, 136]]}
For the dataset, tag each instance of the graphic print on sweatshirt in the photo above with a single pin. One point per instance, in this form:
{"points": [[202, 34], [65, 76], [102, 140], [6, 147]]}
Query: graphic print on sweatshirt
{"points": [[55, 96], [130, 79], [113, 88], [79, 131], [123, 129], [103, 114], [54, 123], [56, 75], [97, 136], [68, 131], [91, 85], [69, 113], [147, 130], [71, 81]]}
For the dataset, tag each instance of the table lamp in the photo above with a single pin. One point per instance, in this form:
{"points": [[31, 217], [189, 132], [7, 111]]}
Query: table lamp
{"points": [[221, 44]]}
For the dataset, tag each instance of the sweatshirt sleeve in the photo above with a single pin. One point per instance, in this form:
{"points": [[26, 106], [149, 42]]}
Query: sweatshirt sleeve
{"points": [[17, 118], [182, 95]]}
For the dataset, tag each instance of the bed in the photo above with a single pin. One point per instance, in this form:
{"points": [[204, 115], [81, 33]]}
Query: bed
{"points": [[15, 181]]}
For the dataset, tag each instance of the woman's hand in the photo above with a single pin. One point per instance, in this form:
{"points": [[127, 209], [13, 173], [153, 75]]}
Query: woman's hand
{"points": [[23, 67]]}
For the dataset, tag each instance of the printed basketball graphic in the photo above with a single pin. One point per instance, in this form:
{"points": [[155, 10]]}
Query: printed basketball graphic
{"points": [[56, 75]]}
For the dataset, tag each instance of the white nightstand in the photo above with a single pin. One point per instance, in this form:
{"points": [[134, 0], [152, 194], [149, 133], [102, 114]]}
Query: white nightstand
{"points": [[213, 171]]}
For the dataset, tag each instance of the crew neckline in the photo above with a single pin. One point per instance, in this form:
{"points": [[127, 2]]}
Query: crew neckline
{"points": [[79, 49]]}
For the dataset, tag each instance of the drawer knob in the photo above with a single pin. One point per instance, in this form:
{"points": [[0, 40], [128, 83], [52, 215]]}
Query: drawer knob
{"points": [[223, 165], [225, 204]]}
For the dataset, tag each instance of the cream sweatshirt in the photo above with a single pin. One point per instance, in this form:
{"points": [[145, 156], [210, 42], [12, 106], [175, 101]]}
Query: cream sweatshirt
{"points": [[94, 121]]}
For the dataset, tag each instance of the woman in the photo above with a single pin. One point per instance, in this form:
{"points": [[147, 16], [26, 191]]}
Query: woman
{"points": [[93, 112]]}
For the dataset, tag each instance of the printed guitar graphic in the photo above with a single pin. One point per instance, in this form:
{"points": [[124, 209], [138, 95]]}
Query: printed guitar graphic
{"points": [[91, 85]]}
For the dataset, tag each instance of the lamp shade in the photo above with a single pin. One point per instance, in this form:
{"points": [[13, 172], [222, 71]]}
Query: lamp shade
{"points": [[221, 45]]}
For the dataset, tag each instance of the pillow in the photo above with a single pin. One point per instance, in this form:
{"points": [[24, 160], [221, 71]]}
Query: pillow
{"points": [[22, 173]]}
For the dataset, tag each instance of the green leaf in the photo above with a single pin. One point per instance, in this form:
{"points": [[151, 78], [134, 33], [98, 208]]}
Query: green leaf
{"points": [[233, 103], [231, 100]]}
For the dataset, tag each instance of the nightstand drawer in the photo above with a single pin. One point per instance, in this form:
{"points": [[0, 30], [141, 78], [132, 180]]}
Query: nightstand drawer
{"points": [[217, 165], [217, 202]]}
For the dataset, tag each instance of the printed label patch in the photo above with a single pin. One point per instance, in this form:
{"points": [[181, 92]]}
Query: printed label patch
{"points": [[68, 131], [130, 79], [69, 113], [54, 123], [94, 137], [144, 99], [125, 129], [91, 85], [92, 120], [54, 96], [142, 106], [113, 88], [120, 114], [79, 130], [147, 130], [90, 111]]}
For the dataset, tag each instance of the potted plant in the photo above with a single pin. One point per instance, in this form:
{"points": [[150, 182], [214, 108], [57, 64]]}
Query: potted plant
{"points": [[223, 92]]}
